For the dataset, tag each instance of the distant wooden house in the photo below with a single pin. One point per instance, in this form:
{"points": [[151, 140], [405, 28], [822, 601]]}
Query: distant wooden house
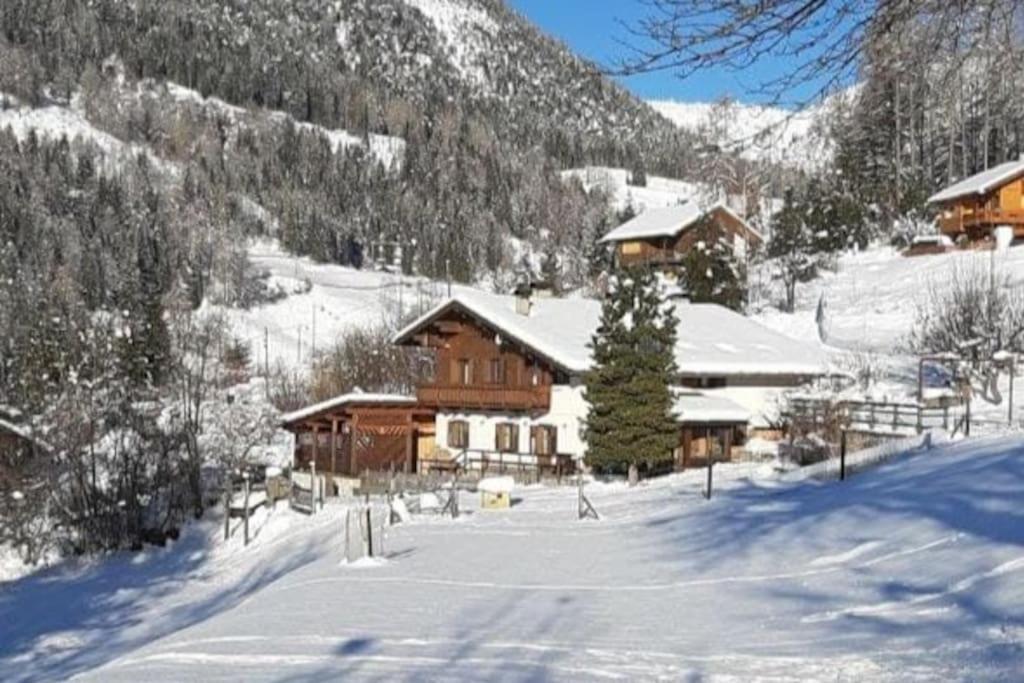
{"points": [[662, 237], [975, 206], [21, 455], [359, 432]]}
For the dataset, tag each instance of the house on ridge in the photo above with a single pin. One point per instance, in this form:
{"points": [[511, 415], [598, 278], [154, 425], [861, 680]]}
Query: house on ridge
{"points": [[974, 207], [662, 237]]}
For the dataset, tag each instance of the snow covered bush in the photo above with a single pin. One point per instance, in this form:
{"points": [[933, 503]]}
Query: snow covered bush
{"points": [[975, 314]]}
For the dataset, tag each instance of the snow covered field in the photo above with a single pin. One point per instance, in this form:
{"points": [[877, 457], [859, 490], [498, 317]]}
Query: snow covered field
{"points": [[911, 571]]}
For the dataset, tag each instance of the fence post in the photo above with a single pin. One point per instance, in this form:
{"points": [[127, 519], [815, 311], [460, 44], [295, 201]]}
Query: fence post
{"points": [[227, 509], [842, 457], [967, 425], [312, 484], [920, 418], [245, 477], [369, 528]]}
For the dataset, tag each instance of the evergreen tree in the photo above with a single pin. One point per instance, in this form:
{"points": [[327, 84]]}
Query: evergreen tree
{"points": [[712, 273], [629, 422], [793, 247]]}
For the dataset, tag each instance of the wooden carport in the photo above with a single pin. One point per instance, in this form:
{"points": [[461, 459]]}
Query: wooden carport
{"points": [[354, 433]]}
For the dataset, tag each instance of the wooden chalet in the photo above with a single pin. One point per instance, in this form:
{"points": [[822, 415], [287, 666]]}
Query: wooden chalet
{"points": [[359, 432], [508, 389], [975, 206], [483, 369], [662, 237]]}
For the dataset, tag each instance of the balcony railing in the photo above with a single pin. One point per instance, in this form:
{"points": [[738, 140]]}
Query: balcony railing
{"points": [[484, 397], [960, 220]]}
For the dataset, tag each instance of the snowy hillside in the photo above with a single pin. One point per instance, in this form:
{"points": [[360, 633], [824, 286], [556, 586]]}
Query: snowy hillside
{"points": [[910, 572]]}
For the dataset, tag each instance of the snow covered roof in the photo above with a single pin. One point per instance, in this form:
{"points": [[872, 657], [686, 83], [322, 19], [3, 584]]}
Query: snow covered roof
{"points": [[353, 398], [666, 222], [694, 406], [711, 339], [981, 183]]}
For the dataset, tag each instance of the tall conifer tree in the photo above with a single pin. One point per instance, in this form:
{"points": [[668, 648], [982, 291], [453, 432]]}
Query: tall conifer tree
{"points": [[628, 387]]}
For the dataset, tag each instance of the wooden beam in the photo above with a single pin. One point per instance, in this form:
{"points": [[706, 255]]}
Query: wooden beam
{"points": [[334, 448], [353, 453]]}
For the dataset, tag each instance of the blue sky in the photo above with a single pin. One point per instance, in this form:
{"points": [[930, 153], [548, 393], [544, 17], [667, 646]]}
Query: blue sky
{"points": [[593, 28]]}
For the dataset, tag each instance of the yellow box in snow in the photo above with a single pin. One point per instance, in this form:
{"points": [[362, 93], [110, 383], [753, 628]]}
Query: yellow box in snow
{"points": [[495, 501]]}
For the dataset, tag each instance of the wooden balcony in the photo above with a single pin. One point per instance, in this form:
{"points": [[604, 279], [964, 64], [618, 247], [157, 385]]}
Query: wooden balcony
{"points": [[484, 397], [957, 221]]}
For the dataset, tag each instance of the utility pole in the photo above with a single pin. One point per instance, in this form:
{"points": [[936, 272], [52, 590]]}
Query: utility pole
{"points": [[448, 276]]}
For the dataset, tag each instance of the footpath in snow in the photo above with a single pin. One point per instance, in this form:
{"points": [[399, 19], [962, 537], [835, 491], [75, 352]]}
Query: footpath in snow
{"points": [[910, 571]]}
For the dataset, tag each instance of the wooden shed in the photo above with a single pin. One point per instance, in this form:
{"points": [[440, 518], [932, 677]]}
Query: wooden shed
{"points": [[359, 432]]}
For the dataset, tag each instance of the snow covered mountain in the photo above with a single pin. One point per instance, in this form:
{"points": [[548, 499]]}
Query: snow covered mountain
{"points": [[758, 132]]}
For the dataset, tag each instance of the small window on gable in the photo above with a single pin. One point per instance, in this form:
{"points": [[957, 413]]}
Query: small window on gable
{"points": [[458, 434], [630, 248], [506, 437]]}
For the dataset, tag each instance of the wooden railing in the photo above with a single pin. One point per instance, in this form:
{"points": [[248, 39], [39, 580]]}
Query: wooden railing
{"points": [[874, 417], [487, 462], [484, 397], [960, 220]]}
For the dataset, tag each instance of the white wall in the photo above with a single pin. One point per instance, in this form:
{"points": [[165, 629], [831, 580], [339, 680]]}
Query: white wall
{"points": [[567, 412]]}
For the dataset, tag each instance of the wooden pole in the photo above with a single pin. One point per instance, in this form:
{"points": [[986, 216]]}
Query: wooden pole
{"points": [[967, 426], [369, 528], [710, 459], [334, 447], [227, 510], [1009, 416], [245, 477], [842, 457], [312, 484]]}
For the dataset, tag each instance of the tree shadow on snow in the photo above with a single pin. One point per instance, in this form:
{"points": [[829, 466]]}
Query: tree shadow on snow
{"points": [[955, 512], [71, 619]]}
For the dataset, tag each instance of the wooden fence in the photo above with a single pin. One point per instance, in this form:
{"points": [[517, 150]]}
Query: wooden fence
{"points": [[876, 417]]}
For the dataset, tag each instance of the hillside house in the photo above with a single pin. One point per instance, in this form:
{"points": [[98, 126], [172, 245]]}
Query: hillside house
{"points": [[507, 386], [976, 206], [662, 237]]}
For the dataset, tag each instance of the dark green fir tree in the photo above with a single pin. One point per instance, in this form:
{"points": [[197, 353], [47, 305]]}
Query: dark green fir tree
{"points": [[629, 422]]}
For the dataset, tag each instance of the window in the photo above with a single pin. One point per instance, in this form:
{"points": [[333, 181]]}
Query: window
{"points": [[630, 248], [496, 371], [506, 437], [458, 434], [465, 371], [543, 440]]}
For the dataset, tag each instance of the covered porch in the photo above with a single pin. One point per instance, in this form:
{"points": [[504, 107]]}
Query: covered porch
{"points": [[356, 433], [709, 427]]}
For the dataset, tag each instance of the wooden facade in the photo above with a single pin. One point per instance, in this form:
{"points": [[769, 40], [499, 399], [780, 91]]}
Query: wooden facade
{"points": [[974, 216], [21, 458], [353, 437], [670, 250], [477, 368]]}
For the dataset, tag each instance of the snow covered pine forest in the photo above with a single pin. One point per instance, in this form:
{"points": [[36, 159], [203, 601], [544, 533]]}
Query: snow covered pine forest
{"points": [[395, 339]]}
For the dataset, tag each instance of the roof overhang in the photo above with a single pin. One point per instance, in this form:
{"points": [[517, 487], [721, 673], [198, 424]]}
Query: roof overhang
{"points": [[404, 337]]}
